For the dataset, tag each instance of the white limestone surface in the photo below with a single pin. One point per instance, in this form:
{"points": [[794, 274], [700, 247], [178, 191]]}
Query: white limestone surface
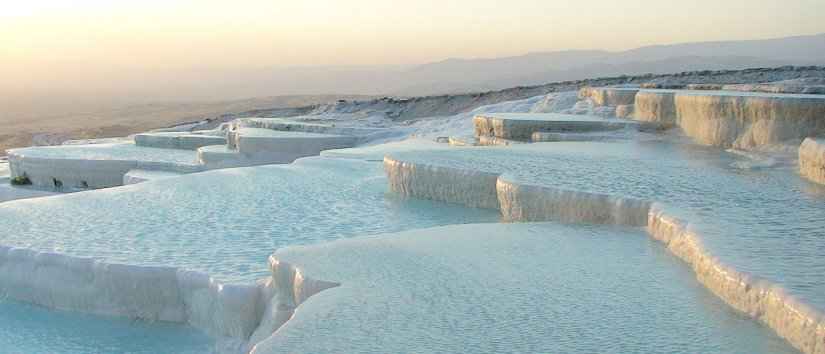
{"points": [[597, 136], [749, 120], [221, 156], [259, 146], [754, 224], [154, 293], [376, 153], [470, 187], [461, 124], [72, 167], [267, 141], [742, 120], [812, 159], [140, 176], [363, 134], [505, 288], [811, 85], [466, 140], [180, 140], [625, 111], [609, 96], [521, 126], [655, 106], [190, 249]]}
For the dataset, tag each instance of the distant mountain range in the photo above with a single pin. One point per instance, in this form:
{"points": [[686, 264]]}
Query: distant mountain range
{"points": [[454, 75], [467, 75], [451, 75]]}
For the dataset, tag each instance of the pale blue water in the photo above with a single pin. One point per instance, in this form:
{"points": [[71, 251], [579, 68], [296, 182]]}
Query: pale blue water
{"points": [[511, 288], [757, 215], [119, 151], [28, 329], [225, 223]]}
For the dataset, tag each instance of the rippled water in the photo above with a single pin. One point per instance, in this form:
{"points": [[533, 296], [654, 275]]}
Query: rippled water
{"points": [[28, 329], [119, 151], [226, 222], [511, 288], [759, 217]]}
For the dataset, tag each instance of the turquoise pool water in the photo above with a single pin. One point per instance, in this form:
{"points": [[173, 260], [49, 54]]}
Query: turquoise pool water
{"points": [[28, 329], [755, 214], [225, 223], [510, 288], [118, 151]]}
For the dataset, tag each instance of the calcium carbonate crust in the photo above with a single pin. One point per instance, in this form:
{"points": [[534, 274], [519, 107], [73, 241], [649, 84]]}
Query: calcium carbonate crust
{"points": [[742, 120], [812, 159], [802, 326], [236, 315]]}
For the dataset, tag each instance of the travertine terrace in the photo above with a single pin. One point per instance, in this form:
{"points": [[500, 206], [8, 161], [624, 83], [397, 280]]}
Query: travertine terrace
{"points": [[812, 159], [263, 249]]}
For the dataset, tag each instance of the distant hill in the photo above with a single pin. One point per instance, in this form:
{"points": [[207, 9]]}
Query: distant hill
{"points": [[470, 75], [443, 77], [459, 75]]}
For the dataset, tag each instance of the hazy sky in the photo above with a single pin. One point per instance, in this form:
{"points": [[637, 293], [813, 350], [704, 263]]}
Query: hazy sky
{"points": [[40, 39]]}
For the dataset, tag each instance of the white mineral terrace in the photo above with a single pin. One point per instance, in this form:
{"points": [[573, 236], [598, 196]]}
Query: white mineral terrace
{"points": [[812, 159], [180, 140], [72, 167], [702, 192], [140, 176], [507, 288], [609, 96], [522, 126], [363, 134], [276, 141], [482, 244], [743, 120]]}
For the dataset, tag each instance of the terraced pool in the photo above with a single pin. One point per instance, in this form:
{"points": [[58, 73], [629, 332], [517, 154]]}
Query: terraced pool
{"points": [[510, 288], [224, 223], [756, 215]]}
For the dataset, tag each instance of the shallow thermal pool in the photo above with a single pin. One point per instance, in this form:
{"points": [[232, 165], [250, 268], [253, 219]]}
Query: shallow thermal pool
{"points": [[510, 288], [30, 329], [227, 222], [756, 215], [118, 151]]}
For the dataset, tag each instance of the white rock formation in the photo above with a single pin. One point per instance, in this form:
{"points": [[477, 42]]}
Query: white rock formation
{"points": [[82, 167], [539, 137], [812, 159], [140, 176], [802, 326], [525, 202], [614, 96], [180, 140], [625, 111], [751, 120], [503, 288], [462, 141], [521, 127], [743, 120], [655, 106], [264, 141], [258, 146], [814, 85], [363, 134], [453, 185], [228, 312]]}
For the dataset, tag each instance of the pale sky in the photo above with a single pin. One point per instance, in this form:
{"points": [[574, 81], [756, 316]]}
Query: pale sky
{"points": [[43, 38]]}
